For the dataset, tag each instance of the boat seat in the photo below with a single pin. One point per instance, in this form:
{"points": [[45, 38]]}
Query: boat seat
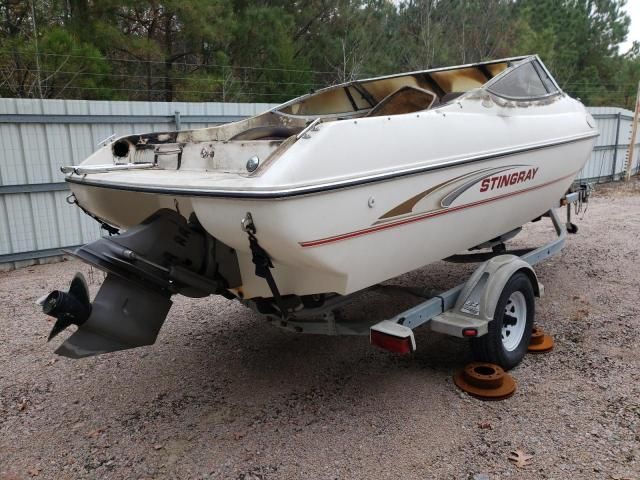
{"points": [[405, 99]]}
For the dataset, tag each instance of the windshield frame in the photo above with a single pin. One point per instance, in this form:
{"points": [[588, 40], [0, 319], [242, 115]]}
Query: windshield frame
{"points": [[533, 58]]}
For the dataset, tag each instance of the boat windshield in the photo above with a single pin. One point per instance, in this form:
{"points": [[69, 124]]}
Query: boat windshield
{"points": [[526, 81]]}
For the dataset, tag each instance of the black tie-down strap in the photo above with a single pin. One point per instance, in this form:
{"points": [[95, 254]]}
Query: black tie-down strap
{"points": [[72, 200], [264, 265]]}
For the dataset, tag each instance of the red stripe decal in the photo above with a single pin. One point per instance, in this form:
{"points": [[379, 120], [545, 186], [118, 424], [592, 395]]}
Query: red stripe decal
{"points": [[444, 211]]}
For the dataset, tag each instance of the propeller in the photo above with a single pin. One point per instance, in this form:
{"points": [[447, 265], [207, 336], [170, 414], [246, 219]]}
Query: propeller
{"points": [[68, 308]]}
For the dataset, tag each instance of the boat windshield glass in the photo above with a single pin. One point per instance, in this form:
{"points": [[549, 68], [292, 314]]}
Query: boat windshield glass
{"points": [[546, 79], [524, 82]]}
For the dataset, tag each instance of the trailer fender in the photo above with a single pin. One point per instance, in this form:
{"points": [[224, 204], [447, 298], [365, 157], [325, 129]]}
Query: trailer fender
{"points": [[480, 294]]}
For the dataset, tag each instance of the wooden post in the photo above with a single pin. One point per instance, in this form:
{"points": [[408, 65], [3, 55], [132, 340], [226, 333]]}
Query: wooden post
{"points": [[634, 130]]}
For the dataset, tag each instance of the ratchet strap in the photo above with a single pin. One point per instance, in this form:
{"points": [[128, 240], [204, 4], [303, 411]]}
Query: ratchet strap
{"points": [[72, 200], [264, 265]]}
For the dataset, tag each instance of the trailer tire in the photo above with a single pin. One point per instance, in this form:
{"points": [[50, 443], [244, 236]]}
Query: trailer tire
{"points": [[509, 332]]}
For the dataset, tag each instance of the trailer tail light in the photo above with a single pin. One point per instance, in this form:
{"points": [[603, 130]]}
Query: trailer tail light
{"points": [[470, 332], [392, 337], [391, 343]]}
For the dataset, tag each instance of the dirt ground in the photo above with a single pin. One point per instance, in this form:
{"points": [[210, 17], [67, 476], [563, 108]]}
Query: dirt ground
{"points": [[222, 394]]}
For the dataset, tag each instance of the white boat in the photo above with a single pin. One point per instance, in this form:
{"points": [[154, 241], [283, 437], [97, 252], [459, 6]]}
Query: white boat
{"points": [[331, 192]]}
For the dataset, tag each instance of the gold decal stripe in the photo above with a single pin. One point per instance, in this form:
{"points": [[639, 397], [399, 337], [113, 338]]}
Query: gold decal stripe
{"points": [[443, 211], [407, 206]]}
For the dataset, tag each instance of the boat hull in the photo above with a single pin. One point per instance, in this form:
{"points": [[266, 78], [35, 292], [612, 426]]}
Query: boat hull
{"points": [[347, 239]]}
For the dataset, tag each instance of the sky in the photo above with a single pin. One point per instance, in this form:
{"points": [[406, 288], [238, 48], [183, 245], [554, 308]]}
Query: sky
{"points": [[633, 10]]}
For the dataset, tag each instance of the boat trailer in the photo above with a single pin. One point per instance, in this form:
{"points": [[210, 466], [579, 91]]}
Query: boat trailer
{"points": [[464, 311]]}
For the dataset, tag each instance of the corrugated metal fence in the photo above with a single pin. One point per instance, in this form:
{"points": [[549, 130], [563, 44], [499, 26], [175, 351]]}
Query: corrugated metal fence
{"points": [[38, 136], [608, 160]]}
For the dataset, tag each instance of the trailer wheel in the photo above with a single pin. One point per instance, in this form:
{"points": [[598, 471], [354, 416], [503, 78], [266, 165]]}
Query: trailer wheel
{"points": [[507, 340]]}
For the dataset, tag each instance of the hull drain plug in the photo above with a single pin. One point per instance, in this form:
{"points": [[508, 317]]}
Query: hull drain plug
{"points": [[540, 341], [485, 381]]}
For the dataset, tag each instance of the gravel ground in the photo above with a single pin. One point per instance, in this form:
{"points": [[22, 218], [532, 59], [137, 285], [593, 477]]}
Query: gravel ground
{"points": [[224, 395]]}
